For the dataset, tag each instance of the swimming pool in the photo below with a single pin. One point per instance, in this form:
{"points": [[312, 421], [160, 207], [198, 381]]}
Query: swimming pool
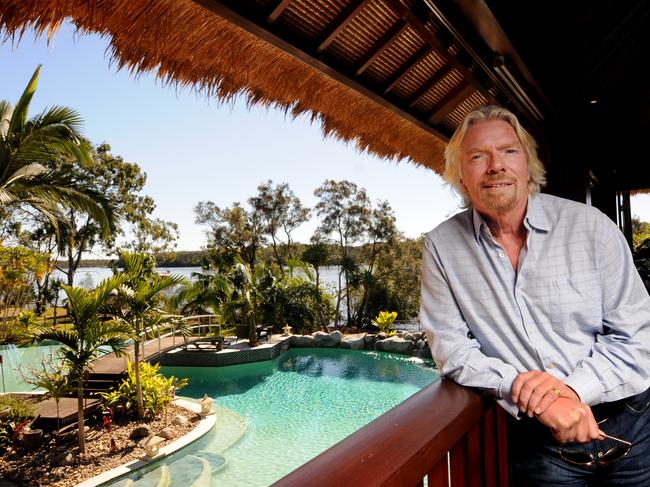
{"points": [[16, 360], [276, 415]]}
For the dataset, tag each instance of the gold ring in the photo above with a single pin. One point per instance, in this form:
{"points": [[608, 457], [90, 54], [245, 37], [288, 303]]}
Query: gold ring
{"points": [[556, 391]]}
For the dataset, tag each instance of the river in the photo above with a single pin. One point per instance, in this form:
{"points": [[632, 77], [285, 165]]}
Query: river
{"points": [[89, 277]]}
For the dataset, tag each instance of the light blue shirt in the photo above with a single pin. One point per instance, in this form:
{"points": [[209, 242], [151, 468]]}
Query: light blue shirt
{"points": [[576, 308]]}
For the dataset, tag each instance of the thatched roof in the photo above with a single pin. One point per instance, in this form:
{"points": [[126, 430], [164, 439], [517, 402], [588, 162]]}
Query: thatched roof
{"points": [[184, 44]]}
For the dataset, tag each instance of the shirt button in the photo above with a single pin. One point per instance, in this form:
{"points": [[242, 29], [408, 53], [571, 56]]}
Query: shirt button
{"points": [[501, 255], [550, 365]]}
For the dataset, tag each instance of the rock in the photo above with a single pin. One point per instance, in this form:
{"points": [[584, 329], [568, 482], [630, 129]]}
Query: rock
{"points": [[411, 337], [370, 341], [140, 432], [322, 339], [166, 433], [302, 341], [423, 349], [395, 344], [64, 459], [355, 342], [179, 420]]}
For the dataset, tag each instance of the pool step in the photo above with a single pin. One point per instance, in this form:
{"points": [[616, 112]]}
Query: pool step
{"points": [[230, 428]]}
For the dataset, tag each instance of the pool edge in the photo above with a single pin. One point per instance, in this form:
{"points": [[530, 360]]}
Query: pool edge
{"points": [[205, 425]]}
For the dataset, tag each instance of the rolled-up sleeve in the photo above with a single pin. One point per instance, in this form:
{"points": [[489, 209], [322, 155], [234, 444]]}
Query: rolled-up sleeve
{"points": [[457, 354]]}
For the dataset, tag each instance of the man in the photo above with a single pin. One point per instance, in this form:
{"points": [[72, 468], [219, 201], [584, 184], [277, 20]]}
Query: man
{"points": [[536, 299]]}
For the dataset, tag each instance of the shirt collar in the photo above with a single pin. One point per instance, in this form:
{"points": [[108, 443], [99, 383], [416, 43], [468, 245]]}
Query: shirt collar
{"points": [[535, 218]]}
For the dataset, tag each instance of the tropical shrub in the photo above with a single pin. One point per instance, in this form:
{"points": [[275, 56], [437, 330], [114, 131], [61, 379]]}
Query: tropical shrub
{"points": [[384, 320], [157, 391]]}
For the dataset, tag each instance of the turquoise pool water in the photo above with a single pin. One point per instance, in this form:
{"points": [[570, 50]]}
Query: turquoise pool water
{"points": [[274, 416], [17, 360]]}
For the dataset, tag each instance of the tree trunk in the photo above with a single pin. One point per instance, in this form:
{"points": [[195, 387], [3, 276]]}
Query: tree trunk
{"points": [[58, 421], [80, 416], [138, 385]]}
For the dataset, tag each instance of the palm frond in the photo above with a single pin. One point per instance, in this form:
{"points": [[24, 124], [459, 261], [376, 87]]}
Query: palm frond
{"points": [[6, 110], [19, 116]]}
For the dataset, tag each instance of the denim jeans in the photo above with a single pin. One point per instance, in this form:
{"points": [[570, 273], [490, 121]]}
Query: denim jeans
{"points": [[535, 454]]}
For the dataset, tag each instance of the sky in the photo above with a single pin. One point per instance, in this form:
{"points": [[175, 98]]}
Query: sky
{"points": [[195, 149]]}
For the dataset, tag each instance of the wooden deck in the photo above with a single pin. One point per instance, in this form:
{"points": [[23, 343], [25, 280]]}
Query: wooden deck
{"points": [[108, 369]]}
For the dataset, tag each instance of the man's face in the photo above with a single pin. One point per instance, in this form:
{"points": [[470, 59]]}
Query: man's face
{"points": [[494, 167]]}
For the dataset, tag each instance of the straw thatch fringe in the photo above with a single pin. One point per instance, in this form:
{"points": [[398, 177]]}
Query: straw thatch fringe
{"points": [[186, 45]]}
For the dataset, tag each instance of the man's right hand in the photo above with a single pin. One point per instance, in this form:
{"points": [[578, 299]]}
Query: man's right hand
{"points": [[571, 420]]}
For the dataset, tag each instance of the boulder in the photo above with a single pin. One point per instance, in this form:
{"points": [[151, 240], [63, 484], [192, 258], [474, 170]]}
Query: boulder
{"points": [[423, 349], [65, 458], [370, 341], [179, 420], [355, 342], [411, 337], [140, 432], [395, 344], [166, 433], [322, 339], [302, 341]]}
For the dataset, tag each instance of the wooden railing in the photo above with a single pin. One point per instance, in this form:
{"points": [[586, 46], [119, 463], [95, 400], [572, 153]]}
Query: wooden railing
{"points": [[449, 434]]}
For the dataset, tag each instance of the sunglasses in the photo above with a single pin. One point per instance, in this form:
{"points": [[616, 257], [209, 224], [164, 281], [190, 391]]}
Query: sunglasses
{"points": [[585, 459]]}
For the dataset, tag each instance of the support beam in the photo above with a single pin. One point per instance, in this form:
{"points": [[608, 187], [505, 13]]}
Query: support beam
{"points": [[280, 6], [430, 83], [405, 68], [428, 36], [380, 46], [449, 102], [341, 22]]}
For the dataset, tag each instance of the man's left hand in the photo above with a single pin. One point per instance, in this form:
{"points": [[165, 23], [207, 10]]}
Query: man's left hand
{"points": [[534, 391]]}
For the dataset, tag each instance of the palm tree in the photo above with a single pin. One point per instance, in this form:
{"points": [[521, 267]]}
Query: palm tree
{"points": [[242, 306], [28, 146], [90, 333], [139, 295], [204, 295]]}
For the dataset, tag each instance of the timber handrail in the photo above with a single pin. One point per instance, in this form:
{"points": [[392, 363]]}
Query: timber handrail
{"points": [[413, 440]]}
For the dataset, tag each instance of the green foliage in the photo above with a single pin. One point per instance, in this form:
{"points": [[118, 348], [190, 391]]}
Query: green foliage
{"points": [[397, 286], [348, 216], [14, 409], [157, 390], [89, 334], [139, 294], [20, 268], [641, 252], [14, 412], [281, 212], [293, 300], [384, 320], [27, 148], [640, 232], [51, 376], [121, 182]]}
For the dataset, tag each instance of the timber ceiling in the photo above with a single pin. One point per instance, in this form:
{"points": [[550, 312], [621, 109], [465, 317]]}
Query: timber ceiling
{"points": [[561, 66], [401, 52]]}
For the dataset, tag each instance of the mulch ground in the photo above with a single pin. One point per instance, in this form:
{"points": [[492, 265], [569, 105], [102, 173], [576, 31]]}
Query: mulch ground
{"points": [[40, 467]]}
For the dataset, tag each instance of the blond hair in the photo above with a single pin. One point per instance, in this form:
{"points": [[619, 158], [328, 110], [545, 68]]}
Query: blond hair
{"points": [[452, 174]]}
